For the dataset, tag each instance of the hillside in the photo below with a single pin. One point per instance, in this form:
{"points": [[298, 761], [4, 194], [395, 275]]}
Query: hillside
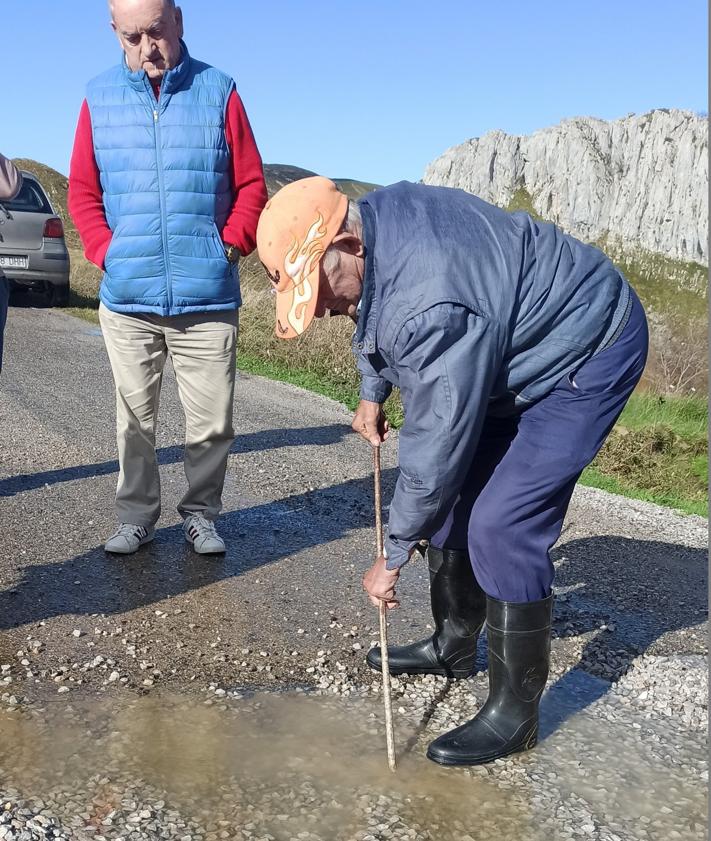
{"points": [[279, 175], [56, 186]]}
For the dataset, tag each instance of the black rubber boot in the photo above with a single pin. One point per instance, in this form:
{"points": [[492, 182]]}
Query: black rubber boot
{"points": [[519, 655], [459, 611]]}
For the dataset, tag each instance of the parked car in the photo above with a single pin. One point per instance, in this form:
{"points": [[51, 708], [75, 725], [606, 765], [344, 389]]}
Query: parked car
{"points": [[33, 254]]}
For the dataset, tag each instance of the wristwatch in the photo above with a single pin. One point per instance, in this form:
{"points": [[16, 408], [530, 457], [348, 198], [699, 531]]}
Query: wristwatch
{"points": [[232, 253]]}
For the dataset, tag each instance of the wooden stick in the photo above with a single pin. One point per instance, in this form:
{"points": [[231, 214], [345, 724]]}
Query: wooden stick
{"points": [[382, 612]]}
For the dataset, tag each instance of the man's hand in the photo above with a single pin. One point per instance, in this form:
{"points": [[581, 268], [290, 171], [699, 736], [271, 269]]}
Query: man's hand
{"points": [[379, 583], [370, 422], [232, 253]]}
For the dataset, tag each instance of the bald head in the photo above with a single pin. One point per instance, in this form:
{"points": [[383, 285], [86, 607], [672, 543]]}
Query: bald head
{"points": [[149, 32], [170, 4]]}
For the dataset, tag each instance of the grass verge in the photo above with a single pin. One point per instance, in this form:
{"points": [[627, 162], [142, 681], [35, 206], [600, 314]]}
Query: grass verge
{"points": [[656, 453], [309, 380], [594, 478]]}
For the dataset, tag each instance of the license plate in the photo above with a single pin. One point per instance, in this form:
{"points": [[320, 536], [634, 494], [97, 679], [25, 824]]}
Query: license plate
{"points": [[11, 262]]}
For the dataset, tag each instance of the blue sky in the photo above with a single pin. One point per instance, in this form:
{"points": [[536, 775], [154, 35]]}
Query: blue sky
{"points": [[372, 90]]}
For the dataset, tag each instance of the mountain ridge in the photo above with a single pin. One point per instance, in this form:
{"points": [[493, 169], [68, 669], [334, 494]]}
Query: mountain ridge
{"points": [[636, 184]]}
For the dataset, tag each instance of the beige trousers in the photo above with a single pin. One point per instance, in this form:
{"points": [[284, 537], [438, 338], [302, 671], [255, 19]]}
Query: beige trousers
{"points": [[203, 350]]}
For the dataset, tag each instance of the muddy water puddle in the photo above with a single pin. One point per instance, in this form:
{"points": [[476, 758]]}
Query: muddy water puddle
{"points": [[278, 766], [283, 766]]}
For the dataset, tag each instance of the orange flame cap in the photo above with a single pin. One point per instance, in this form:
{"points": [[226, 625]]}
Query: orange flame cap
{"points": [[296, 227]]}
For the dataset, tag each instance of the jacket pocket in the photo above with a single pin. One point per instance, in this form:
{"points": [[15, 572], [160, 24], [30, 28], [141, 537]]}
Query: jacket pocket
{"points": [[219, 246], [107, 257]]}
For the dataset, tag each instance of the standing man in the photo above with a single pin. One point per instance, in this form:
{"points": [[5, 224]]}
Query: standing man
{"points": [[515, 348], [166, 187], [10, 183]]}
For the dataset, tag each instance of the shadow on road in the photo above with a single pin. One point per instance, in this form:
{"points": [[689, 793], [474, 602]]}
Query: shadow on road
{"points": [[631, 586], [255, 441], [638, 590], [95, 582]]}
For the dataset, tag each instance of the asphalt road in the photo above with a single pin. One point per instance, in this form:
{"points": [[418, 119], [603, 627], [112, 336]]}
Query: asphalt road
{"points": [[299, 526], [93, 645]]}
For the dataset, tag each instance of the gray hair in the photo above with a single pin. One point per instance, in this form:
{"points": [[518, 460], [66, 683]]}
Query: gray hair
{"points": [[352, 224]]}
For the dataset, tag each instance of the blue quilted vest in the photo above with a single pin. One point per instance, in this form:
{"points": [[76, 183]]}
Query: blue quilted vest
{"points": [[165, 173]]}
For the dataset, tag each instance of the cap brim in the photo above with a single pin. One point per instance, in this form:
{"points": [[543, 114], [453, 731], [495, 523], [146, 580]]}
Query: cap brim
{"points": [[295, 308]]}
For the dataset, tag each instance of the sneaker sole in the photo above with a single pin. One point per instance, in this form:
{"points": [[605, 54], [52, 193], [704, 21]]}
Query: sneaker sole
{"points": [[203, 551], [143, 542]]}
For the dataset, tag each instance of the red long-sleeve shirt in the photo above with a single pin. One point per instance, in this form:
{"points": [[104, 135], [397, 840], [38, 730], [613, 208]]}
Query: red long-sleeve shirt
{"points": [[86, 201]]}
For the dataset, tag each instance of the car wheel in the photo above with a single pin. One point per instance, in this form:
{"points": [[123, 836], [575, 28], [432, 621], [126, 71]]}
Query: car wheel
{"points": [[58, 295]]}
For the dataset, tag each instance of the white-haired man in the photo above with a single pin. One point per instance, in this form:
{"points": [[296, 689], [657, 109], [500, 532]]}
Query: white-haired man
{"points": [[166, 187]]}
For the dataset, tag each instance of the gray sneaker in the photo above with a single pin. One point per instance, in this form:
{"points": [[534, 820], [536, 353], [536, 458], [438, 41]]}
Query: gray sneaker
{"points": [[128, 538], [202, 535]]}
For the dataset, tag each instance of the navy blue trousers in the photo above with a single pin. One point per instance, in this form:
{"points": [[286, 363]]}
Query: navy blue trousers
{"points": [[511, 507]]}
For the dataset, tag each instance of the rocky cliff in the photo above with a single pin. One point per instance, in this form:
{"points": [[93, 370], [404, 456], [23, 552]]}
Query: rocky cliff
{"points": [[637, 184]]}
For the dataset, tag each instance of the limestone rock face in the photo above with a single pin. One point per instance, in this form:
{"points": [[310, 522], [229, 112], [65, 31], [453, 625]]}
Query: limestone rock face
{"points": [[637, 182]]}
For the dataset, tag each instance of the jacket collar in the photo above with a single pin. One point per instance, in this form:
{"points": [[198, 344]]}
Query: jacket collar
{"points": [[172, 79], [364, 337]]}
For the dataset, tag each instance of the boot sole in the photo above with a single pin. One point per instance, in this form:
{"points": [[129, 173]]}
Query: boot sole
{"points": [[395, 672], [482, 760]]}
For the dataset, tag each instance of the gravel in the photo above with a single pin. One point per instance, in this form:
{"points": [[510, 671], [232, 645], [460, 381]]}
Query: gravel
{"points": [[323, 756], [672, 687]]}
